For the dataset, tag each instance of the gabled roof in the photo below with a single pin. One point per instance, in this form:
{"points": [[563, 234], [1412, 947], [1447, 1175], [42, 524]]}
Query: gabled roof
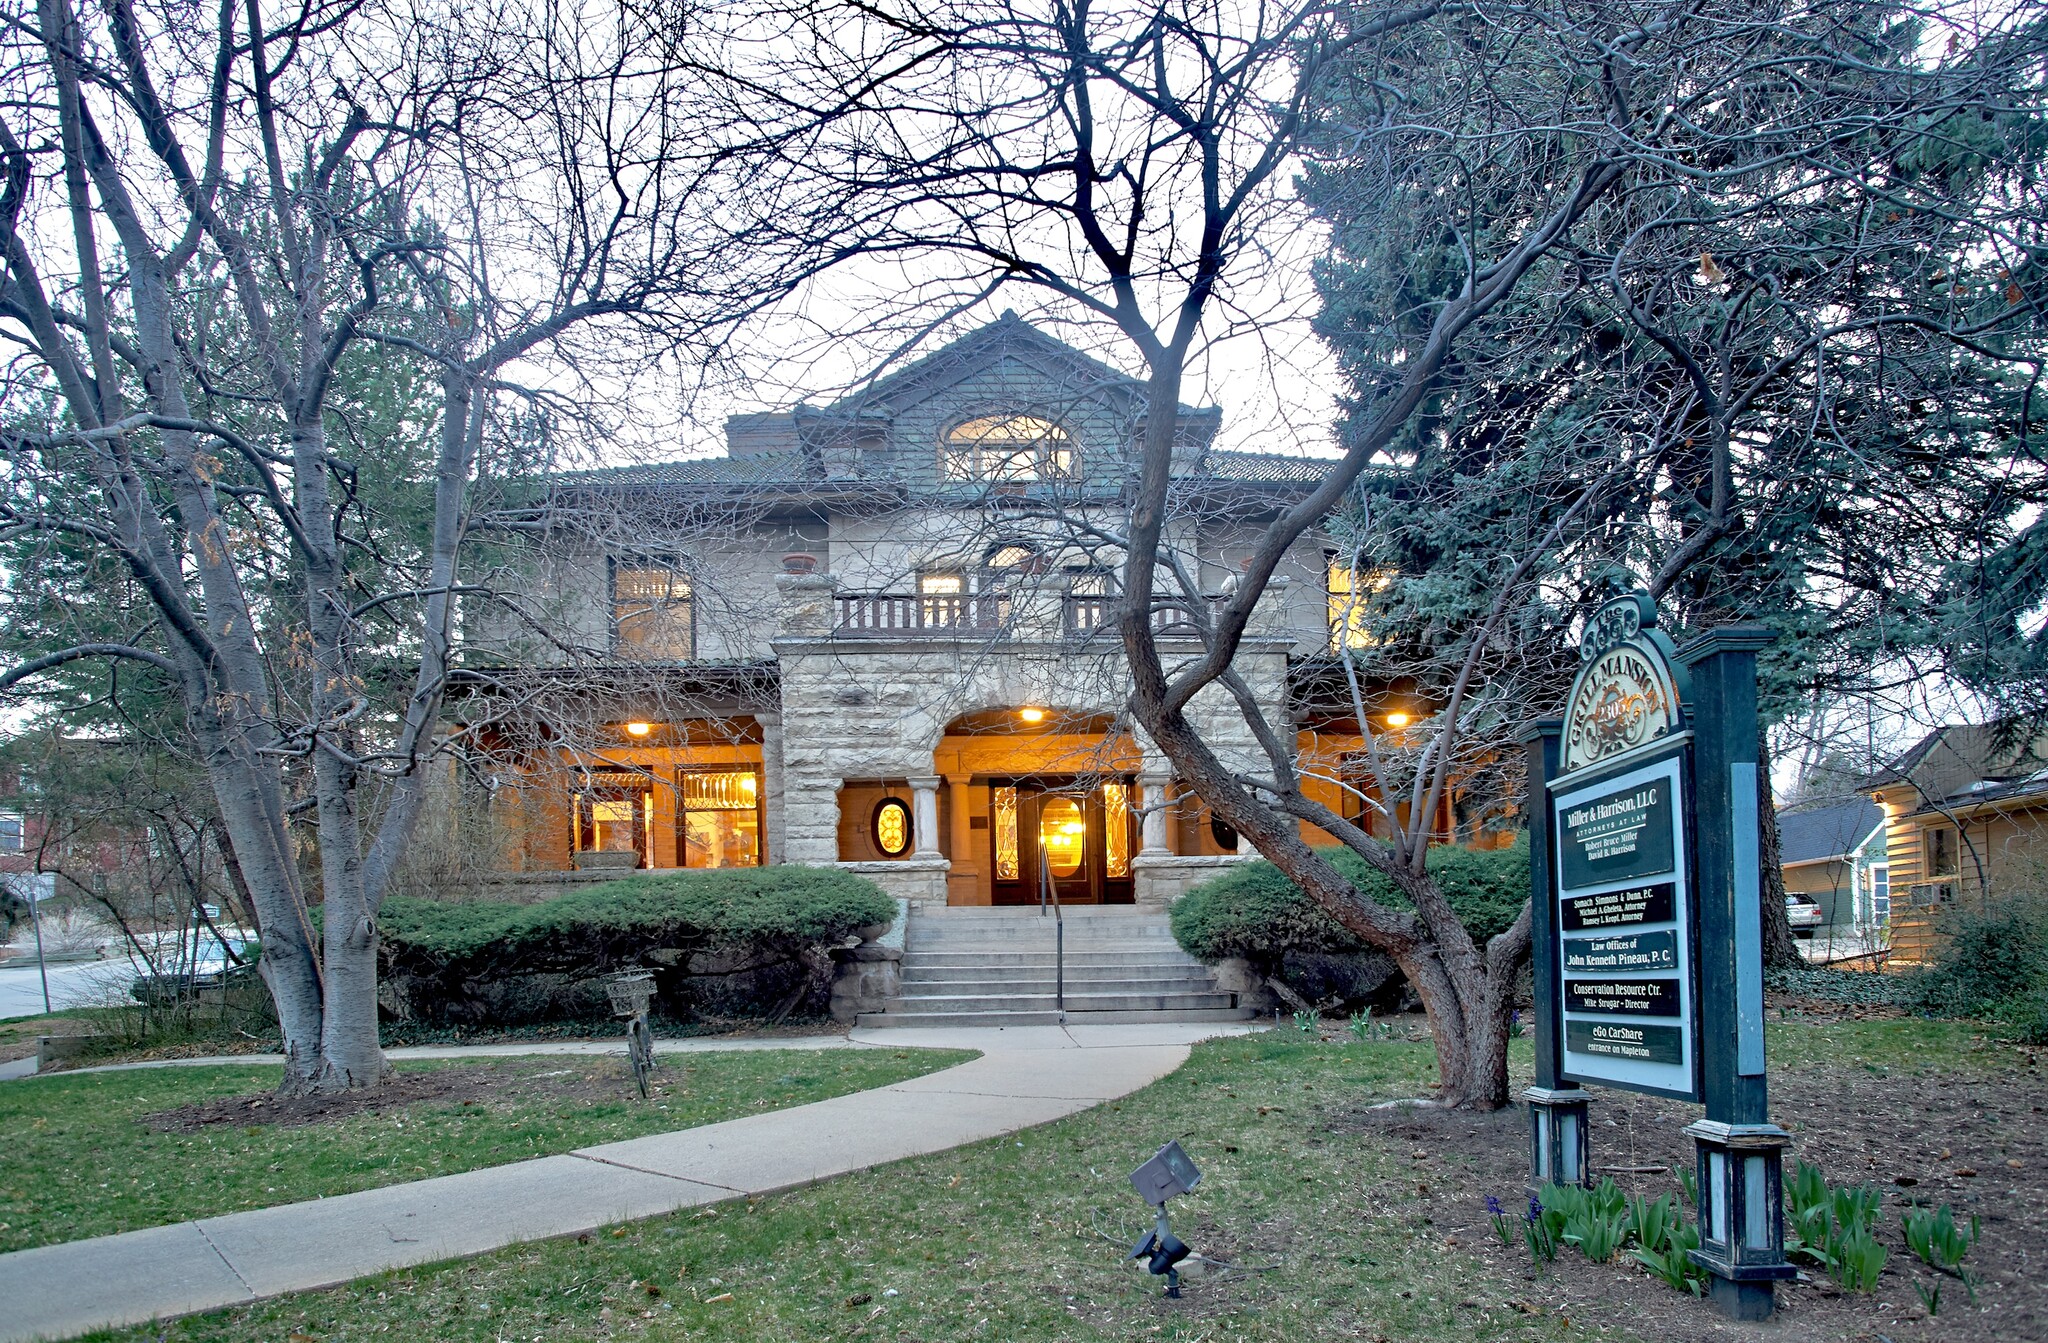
{"points": [[1968, 761], [1827, 830], [1008, 336]]}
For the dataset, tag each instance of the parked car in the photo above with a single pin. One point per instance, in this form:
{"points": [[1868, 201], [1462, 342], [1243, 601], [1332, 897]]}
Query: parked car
{"points": [[209, 969], [1803, 913]]}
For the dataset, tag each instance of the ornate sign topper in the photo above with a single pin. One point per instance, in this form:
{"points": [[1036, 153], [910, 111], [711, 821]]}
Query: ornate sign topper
{"points": [[1627, 693]]}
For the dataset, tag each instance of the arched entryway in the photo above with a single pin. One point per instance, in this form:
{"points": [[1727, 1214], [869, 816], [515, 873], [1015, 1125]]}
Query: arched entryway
{"points": [[1036, 796]]}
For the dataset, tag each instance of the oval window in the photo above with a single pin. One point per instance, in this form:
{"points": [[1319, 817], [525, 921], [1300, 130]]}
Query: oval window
{"points": [[1063, 832], [1223, 832], [892, 827]]}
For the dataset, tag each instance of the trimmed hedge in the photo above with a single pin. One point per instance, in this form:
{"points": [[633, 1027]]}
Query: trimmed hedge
{"points": [[746, 933], [1255, 912]]}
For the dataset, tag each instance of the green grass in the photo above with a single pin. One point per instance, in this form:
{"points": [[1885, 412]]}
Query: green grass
{"points": [[1905, 1044], [80, 1163], [1019, 1239]]}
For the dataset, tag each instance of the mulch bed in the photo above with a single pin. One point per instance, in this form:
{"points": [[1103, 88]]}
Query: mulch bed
{"points": [[583, 1078], [1974, 1137]]}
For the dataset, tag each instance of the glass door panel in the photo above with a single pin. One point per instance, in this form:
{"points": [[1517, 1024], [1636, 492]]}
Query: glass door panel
{"points": [[720, 818]]}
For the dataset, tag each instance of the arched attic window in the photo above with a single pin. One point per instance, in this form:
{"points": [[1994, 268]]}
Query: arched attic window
{"points": [[1008, 448]]}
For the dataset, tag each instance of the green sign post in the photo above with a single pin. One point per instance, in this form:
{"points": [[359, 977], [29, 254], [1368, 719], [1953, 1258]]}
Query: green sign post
{"points": [[1645, 879]]}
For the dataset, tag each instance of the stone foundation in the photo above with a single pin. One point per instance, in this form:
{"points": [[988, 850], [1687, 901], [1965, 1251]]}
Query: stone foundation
{"points": [[914, 879], [1162, 878]]}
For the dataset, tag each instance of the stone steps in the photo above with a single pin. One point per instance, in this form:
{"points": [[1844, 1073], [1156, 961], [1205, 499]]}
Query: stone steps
{"points": [[998, 968], [1047, 1018]]}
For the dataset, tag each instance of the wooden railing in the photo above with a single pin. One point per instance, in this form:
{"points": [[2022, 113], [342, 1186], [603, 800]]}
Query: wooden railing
{"points": [[909, 615], [1085, 615]]}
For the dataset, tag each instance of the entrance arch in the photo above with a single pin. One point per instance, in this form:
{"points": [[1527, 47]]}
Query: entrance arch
{"points": [[1036, 793]]}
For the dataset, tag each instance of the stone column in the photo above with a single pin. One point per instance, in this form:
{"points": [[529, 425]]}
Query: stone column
{"points": [[774, 842], [1152, 796], [924, 812], [963, 881]]}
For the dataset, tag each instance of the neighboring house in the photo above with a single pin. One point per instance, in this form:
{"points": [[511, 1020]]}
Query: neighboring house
{"points": [[1966, 816], [874, 634], [1834, 852]]}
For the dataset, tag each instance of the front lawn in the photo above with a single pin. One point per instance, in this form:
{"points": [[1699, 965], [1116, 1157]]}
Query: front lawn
{"points": [[93, 1153], [1347, 1222]]}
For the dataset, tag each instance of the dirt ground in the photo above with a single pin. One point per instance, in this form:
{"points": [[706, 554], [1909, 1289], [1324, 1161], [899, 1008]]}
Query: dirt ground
{"points": [[1974, 1137], [561, 1077]]}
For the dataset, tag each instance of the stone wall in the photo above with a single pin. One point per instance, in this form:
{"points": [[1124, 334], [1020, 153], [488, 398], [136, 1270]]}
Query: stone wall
{"points": [[1164, 878]]}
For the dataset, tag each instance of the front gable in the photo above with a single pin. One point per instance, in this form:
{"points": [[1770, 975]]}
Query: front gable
{"points": [[896, 427]]}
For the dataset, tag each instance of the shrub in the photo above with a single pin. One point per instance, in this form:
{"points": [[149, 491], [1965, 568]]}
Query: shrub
{"points": [[726, 939], [1255, 912], [1994, 965]]}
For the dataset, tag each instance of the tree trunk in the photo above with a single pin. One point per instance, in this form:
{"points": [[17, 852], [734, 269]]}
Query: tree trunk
{"points": [[1781, 950]]}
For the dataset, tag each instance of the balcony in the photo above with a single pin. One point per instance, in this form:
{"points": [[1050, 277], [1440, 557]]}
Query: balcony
{"points": [[888, 615], [1088, 614]]}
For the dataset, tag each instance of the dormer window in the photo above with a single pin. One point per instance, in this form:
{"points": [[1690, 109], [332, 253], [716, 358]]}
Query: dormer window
{"points": [[651, 612], [1008, 448]]}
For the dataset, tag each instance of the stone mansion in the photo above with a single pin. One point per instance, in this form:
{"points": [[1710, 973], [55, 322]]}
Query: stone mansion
{"points": [[875, 634]]}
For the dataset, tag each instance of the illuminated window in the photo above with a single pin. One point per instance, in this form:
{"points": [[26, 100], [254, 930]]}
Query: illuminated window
{"points": [[1350, 602], [1116, 830], [942, 598], [1004, 804], [612, 815], [1007, 448], [892, 827], [1063, 835], [721, 818], [651, 612]]}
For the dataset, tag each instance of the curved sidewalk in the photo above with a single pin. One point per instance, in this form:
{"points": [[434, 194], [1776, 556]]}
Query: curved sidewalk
{"points": [[1026, 1076]]}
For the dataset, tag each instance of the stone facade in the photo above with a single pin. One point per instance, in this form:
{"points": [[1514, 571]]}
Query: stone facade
{"points": [[872, 627]]}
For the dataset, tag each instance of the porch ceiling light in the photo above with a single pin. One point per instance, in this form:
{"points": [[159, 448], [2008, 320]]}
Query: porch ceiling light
{"points": [[1397, 719], [1032, 715], [639, 729]]}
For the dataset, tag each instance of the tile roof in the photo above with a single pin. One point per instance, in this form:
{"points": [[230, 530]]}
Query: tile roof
{"points": [[795, 469]]}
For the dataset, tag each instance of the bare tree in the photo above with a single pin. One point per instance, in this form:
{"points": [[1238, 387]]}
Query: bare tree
{"points": [[1132, 163], [212, 221]]}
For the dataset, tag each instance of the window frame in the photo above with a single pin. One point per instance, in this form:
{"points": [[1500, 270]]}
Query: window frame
{"points": [[19, 838], [683, 809], [888, 802], [1931, 838], [1045, 453], [679, 573]]}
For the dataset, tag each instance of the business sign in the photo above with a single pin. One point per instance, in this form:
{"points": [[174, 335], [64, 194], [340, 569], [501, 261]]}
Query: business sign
{"points": [[1625, 927], [1625, 930]]}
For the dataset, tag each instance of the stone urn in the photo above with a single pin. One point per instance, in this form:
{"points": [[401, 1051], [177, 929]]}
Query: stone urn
{"points": [[799, 562]]}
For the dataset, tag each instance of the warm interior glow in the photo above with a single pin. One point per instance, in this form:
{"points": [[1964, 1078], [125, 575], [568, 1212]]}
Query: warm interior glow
{"points": [[1397, 719], [639, 729], [1031, 715]]}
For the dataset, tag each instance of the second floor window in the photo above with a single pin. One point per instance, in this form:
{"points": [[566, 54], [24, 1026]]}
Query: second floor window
{"points": [[1349, 594], [1942, 851], [651, 612], [1008, 448]]}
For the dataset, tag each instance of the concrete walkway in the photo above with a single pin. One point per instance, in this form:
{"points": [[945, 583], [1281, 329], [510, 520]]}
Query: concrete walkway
{"points": [[1025, 1076]]}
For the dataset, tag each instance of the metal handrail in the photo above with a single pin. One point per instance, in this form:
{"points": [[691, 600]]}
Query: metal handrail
{"points": [[1047, 887]]}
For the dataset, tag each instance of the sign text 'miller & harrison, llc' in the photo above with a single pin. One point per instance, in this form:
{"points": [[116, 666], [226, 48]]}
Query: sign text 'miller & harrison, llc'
{"points": [[1627, 833]]}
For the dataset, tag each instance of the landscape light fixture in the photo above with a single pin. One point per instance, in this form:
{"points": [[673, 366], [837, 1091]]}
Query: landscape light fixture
{"points": [[1169, 1172], [1032, 715], [1397, 719], [639, 729]]}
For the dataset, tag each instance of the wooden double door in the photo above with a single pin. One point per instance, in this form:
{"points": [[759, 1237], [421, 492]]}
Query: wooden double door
{"points": [[1081, 833]]}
